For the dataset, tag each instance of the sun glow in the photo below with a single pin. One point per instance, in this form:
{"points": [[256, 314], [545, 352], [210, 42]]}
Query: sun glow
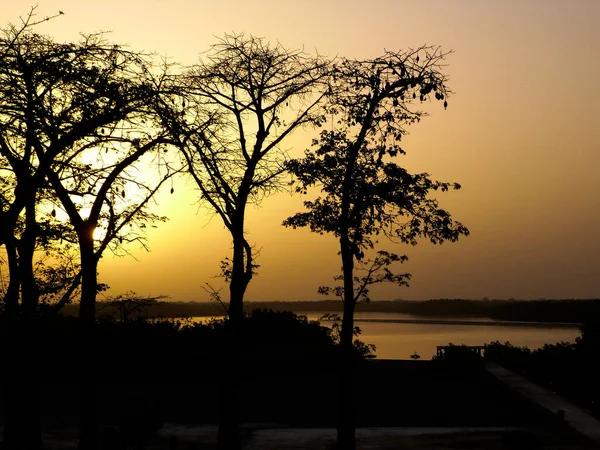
{"points": [[99, 233]]}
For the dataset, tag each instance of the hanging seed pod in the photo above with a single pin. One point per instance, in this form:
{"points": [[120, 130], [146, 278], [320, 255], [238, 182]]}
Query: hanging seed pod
{"points": [[172, 190], [123, 193], [445, 104], [417, 59], [414, 95]]}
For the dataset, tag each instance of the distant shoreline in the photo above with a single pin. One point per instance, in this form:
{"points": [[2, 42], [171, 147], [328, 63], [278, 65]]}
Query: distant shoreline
{"points": [[559, 313], [475, 322]]}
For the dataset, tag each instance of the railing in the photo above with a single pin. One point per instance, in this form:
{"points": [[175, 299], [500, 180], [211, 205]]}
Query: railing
{"points": [[479, 349]]}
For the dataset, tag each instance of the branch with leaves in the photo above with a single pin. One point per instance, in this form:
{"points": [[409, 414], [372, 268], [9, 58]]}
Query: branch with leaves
{"points": [[376, 271]]}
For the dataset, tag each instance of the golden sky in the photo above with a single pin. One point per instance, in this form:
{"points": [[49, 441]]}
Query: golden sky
{"points": [[521, 134]]}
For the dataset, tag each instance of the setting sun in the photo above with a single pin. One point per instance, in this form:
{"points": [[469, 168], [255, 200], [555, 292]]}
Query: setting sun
{"points": [[99, 234]]}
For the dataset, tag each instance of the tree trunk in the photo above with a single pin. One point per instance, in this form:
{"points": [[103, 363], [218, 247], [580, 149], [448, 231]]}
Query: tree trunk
{"points": [[26, 249], [88, 427], [239, 279], [22, 424], [11, 298], [346, 429], [23, 428], [228, 437], [89, 280]]}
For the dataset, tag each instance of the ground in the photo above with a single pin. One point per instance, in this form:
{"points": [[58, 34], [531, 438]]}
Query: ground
{"points": [[264, 437]]}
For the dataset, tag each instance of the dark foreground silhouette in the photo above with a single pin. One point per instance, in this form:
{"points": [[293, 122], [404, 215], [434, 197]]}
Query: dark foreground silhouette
{"points": [[150, 374]]}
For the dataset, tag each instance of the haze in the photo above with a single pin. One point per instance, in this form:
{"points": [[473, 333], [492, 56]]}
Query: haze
{"points": [[521, 134]]}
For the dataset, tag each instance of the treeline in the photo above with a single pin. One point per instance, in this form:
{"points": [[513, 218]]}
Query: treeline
{"points": [[565, 310], [91, 131]]}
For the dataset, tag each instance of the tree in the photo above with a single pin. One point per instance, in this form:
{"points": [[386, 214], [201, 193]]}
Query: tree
{"points": [[365, 193], [75, 119], [239, 105], [108, 107], [21, 187], [130, 306], [243, 101]]}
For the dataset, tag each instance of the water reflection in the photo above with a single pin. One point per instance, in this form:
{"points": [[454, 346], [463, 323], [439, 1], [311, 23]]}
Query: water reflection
{"points": [[401, 340]]}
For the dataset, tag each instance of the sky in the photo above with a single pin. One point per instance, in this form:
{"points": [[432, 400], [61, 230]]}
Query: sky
{"points": [[521, 134]]}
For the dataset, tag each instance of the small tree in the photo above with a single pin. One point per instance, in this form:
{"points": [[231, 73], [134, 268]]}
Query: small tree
{"points": [[365, 193], [130, 306]]}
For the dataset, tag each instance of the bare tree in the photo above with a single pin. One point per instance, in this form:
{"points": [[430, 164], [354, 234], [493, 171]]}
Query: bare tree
{"points": [[365, 193], [255, 95], [237, 107]]}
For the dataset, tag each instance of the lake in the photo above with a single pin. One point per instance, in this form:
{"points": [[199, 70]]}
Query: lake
{"points": [[396, 340]]}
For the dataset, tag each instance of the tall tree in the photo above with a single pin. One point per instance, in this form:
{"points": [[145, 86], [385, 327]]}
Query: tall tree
{"points": [[365, 193], [75, 118], [242, 101], [22, 182], [256, 95]]}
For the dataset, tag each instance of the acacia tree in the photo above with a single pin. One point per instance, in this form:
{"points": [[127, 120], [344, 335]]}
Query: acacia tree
{"points": [[103, 95], [22, 186], [254, 95], [365, 193], [239, 105], [75, 118]]}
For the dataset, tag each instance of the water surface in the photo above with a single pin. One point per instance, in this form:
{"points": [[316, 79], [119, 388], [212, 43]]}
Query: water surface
{"points": [[401, 340]]}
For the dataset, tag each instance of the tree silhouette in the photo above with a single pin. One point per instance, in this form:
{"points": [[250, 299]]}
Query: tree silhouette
{"points": [[75, 118], [22, 231], [365, 193], [236, 108], [240, 103]]}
